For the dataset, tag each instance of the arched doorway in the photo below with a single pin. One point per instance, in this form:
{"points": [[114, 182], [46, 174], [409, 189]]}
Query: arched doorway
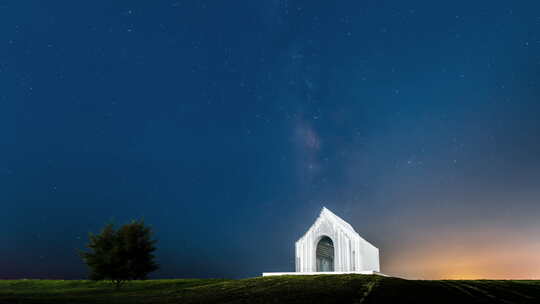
{"points": [[325, 254]]}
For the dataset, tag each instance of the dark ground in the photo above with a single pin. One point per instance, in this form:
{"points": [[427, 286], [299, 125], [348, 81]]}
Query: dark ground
{"points": [[283, 289]]}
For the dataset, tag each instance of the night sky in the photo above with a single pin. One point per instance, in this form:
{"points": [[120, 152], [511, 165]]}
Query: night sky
{"points": [[228, 125]]}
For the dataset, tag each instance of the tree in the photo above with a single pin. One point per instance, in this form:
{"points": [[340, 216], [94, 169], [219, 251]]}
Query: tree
{"points": [[121, 255]]}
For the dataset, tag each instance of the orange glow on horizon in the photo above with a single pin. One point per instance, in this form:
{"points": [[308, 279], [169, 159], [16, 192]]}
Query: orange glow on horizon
{"points": [[472, 256]]}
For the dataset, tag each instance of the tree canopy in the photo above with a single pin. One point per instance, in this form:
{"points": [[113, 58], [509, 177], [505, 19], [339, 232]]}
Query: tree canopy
{"points": [[121, 255]]}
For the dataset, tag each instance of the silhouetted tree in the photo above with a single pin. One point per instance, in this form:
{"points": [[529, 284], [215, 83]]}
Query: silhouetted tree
{"points": [[121, 255]]}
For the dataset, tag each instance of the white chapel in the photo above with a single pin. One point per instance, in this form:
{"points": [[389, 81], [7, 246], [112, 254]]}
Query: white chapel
{"points": [[331, 245]]}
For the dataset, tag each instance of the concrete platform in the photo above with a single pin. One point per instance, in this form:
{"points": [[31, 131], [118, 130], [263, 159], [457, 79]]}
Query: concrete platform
{"points": [[268, 274]]}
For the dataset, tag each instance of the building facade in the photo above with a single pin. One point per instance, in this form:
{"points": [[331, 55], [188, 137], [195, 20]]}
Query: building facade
{"points": [[332, 245]]}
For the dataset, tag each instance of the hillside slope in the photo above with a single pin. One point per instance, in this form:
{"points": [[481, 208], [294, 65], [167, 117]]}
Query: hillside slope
{"points": [[284, 289]]}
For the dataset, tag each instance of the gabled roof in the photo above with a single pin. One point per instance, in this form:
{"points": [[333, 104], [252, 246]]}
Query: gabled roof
{"points": [[330, 216], [325, 212]]}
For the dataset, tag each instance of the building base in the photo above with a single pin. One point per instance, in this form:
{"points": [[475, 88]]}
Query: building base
{"points": [[268, 274]]}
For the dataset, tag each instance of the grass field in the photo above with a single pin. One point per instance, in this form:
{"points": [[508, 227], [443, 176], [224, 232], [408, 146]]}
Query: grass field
{"points": [[284, 289]]}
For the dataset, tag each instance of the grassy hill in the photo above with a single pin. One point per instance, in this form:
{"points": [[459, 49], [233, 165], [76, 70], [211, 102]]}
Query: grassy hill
{"points": [[284, 289]]}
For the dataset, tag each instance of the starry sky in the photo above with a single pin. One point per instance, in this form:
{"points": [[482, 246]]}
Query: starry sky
{"points": [[228, 125]]}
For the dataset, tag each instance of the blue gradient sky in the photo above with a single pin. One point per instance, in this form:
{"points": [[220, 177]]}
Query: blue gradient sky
{"points": [[227, 125]]}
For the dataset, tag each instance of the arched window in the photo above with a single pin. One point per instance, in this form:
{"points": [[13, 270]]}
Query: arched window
{"points": [[325, 254]]}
